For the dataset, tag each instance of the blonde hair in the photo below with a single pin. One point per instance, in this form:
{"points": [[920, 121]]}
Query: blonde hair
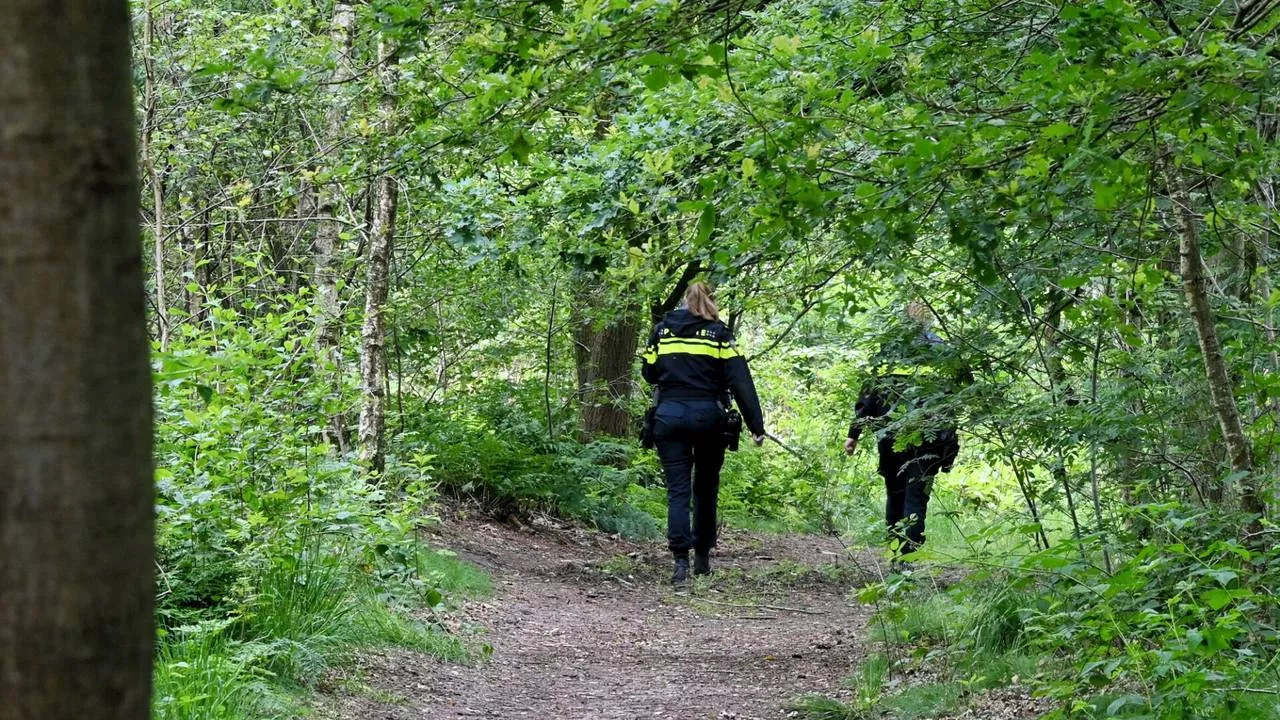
{"points": [[697, 299], [919, 311]]}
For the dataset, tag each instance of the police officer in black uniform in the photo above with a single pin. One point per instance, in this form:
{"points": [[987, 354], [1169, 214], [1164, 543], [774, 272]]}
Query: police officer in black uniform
{"points": [[691, 357], [913, 365]]}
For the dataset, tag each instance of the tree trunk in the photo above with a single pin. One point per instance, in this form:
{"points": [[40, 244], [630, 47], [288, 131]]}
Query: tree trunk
{"points": [[1269, 128], [328, 196], [373, 336], [303, 236], [195, 236], [1221, 390], [76, 582], [606, 363], [149, 162]]}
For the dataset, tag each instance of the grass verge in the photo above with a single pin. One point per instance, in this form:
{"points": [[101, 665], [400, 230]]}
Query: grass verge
{"points": [[307, 614]]}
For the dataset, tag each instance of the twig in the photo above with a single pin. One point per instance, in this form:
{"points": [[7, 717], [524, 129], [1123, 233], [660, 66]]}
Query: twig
{"points": [[780, 608]]}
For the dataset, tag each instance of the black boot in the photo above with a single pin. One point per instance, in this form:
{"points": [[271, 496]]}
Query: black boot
{"points": [[681, 574], [701, 564]]}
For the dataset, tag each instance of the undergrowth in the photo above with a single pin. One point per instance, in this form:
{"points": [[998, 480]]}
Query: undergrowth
{"points": [[277, 560], [308, 614], [1184, 627], [497, 449]]}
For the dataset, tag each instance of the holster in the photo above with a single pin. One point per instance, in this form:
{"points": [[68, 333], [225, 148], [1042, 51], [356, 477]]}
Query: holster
{"points": [[646, 427], [732, 426]]}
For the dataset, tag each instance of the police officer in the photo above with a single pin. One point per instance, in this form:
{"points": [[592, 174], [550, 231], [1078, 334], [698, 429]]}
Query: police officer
{"points": [[914, 364], [691, 358]]}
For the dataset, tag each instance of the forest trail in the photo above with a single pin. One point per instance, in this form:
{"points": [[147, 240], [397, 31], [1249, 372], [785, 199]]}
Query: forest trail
{"points": [[584, 626]]}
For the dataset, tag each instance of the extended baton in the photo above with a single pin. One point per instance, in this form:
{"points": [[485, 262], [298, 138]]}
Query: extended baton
{"points": [[828, 521], [786, 447]]}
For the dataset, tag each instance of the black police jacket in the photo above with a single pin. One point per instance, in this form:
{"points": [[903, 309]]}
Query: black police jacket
{"points": [[690, 357], [892, 387]]}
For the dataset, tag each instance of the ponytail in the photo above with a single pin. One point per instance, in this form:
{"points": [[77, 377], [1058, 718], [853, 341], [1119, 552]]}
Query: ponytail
{"points": [[697, 299]]}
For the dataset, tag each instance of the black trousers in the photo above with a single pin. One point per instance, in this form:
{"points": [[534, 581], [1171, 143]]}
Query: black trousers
{"points": [[908, 482], [691, 444]]}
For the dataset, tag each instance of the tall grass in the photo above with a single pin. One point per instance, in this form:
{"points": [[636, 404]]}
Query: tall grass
{"points": [[303, 614], [307, 612], [202, 675], [443, 569]]}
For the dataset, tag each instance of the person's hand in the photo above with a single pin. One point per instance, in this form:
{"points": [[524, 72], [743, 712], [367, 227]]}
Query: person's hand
{"points": [[758, 439], [850, 445]]}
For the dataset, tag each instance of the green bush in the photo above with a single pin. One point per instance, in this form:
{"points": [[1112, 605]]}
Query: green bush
{"points": [[1187, 618], [495, 448], [274, 558]]}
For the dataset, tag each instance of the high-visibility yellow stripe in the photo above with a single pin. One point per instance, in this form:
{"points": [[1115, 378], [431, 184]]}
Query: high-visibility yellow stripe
{"points": [[696, 340], [677, 347], [911, 371], [674, 345]]}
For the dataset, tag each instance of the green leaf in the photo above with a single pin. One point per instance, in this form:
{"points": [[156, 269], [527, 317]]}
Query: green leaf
{"points": [[1106, 196], [1219, 598], [657, 78], [871, 594], [1194, 637], [1224, 577], [787, 45], [521, 147], [434, 598], [1057, 131], [1120, 703], [706, 223], [866, 191]]}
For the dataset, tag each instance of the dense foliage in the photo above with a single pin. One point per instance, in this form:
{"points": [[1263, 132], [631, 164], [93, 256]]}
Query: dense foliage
{"points": [[409, 249]]}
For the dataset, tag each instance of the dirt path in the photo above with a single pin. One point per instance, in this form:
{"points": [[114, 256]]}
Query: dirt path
{"points": [[584, 627]]}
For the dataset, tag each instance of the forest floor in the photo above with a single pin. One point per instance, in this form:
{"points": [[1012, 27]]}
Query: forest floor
{"points": [[585, 626]]}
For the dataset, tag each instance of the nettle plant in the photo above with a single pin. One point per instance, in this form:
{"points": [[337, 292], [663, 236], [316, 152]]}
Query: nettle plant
{"points": [[244, 477], [1185, 627]]}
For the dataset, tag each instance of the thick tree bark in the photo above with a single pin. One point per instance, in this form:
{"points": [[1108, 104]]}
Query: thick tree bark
{"points": [[328, 196], [76, 583], [1221, 390], [373, 336], [606, 365]]}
